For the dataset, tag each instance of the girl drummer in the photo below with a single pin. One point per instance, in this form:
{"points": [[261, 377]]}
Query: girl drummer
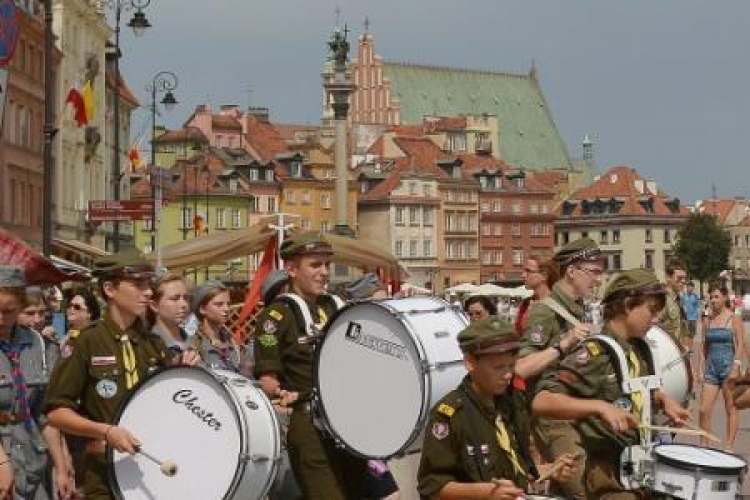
{"points": [[719, 362]]}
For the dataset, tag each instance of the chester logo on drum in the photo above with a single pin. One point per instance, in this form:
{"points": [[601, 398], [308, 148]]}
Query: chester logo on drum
{"points": [[185, 397], [354, 334]]}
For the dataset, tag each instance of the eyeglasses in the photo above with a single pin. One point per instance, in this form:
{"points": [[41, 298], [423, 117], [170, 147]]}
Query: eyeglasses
{"points": [[77, 307], [529, 270], [593, 272]]}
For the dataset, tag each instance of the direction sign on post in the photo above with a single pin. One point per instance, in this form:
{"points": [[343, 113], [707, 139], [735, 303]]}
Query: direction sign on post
{"points": [[122, 210]]}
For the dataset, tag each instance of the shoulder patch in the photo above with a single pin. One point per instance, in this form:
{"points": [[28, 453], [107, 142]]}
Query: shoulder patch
{"points": [[537, 336], [276, 315], [268, 340], [446, 410], [583, 357], [440, 430], [270, 326], [593, 348]]}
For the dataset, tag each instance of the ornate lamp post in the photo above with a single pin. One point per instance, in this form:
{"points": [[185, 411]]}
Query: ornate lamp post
{"points": [[163, 82], [139, 24]]}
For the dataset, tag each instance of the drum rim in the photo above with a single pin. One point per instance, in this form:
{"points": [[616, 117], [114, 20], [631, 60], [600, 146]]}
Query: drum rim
{"points": [[683, 355], [424, 409], [714, 469], [109, 454]]}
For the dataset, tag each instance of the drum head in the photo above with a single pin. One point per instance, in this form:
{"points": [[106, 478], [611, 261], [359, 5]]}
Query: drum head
{"points": [[368, 369], [688, 457], [184, 415]]}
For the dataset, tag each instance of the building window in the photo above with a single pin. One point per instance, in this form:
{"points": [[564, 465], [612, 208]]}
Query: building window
{"points": [[325, 226], [147, 224], [413, 216], [485, 206], [427, 189], [616, 261], [187, 218], [427, 246], [399, 248], [649, 259], [544, 208], [486, 229], [254, 174], [497, 206], [427, 216], [305, 197], [412, 188], [516, 208], [305, 223], [413, 248], [615, 236], [497, 229], [517, 256], [325, 200], [486, 257], [289, 195], [221, 222], [271, 203], [667, 236], [516, 229], [520, 182], [147, 248], [497, 257], [236, 218], [649, 237], [736, 240], [747, 240], [565, 238], [456, 141], [533, 208], [269, 175], [399, 216], [603, 237], [584, 234]]}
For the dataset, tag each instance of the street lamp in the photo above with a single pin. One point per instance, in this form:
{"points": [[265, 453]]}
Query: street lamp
{"points": [[139, 24], [163, 82]]}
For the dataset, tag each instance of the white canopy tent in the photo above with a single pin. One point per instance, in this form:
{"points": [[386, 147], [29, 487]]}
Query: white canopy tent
{"points": [[463, 288]]}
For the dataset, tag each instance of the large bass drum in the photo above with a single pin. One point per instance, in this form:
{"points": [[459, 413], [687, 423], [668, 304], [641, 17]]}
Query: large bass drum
{"points": [[219, 430], [671, 364], [380, 368]]}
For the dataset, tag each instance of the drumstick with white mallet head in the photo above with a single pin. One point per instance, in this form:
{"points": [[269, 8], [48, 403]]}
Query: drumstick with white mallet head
{"points": [[167, 467], [681, 430]]}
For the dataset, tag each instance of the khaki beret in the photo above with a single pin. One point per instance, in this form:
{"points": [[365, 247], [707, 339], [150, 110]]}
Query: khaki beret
{"points": [[273, 283], [634, 281], [12, 277], [129, 263], [305, 243], [202, 291], [488, 336], [364, 287], [581, 250]]}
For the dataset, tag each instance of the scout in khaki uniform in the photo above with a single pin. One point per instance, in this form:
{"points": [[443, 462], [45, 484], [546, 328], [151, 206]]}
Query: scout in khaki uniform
{"points": [[549, 335], [284, 359], [100, 368], [477, 440], [587, 387], [672, 318]]}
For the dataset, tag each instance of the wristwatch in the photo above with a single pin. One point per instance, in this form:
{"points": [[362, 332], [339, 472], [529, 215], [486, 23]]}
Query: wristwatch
{"points": [[555, 344]]}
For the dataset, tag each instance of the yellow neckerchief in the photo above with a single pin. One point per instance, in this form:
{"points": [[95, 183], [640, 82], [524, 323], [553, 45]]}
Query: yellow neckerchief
{"points": [[128, 360], [503, 439], [322, 319], [634, 368]]}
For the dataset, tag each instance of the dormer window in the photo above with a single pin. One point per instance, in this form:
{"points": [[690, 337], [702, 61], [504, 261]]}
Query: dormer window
{"points": [[520, 182], [456, 173], [233, 184], [253, 174], [456, 141], [297, 169], [269, 175]]}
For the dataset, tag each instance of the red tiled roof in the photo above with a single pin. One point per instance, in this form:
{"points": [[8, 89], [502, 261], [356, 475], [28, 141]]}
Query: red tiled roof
{"points": [[550, 178], [445, 123], [225, 122], [620, 182], [718, 207], [287, 131], [377, 147], [264, 139], [183, 134]]}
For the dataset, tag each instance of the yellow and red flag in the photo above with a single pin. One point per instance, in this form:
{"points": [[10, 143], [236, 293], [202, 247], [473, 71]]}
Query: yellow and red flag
{"points": [[135, 156]]}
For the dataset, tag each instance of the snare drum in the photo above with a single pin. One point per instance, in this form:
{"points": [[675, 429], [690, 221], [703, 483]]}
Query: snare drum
{"points": [[380, 368], [692, 472], [218, 428], [672, 364]]}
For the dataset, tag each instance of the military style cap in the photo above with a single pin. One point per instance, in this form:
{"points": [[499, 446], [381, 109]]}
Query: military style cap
{"points": [[129, 264], [202, 291], [272, 284], [12, 277], [305, 243], [488, 336], [581, 250], [364, 287], [634, 281]]}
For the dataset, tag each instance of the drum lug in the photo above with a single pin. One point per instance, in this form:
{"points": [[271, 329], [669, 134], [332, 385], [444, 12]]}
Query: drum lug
{"points": [[250, 457], [251, 404]]}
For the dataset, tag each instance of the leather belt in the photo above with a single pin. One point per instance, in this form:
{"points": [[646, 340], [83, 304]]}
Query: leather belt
{"points": [[95, 446], [8, 418]]}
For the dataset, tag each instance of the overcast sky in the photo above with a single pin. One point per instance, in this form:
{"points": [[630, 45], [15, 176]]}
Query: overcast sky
{"points": [[662, 86]]}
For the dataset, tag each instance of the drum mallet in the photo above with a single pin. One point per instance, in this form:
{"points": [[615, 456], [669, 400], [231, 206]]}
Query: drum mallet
{"points": [[167, 467]]}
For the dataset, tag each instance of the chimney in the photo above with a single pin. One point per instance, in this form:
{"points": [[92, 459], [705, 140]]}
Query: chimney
{"points": [[229, 110], [260, 114]]}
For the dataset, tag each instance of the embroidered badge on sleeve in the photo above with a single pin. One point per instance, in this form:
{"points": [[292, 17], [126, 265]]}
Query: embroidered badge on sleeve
{"points": [[440, 430]]}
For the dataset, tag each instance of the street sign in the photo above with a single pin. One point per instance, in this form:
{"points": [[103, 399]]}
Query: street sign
{"points": [[122, 210]]}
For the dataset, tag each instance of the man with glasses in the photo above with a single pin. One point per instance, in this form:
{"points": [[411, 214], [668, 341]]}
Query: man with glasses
{"points": [[549, 335], [97, 372], [672, 318]]}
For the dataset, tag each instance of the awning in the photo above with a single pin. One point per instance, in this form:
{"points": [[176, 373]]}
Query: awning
{"points": [[39, 270], [84, 250]]}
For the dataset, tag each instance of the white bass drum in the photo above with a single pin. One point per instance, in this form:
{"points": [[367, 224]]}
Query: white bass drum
{"points": [[381, 367]]}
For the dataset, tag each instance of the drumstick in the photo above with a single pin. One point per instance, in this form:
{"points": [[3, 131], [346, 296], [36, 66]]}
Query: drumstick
{"points": [[706, 434], [556, 467], [168, 468], [679, 430]]}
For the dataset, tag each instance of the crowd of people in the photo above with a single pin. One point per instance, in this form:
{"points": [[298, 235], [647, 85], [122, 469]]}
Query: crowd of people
{"points": [[541, 407]]}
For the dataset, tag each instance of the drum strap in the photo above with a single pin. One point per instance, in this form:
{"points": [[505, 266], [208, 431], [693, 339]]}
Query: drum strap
{"points": [[560, 310], [299, 305]]}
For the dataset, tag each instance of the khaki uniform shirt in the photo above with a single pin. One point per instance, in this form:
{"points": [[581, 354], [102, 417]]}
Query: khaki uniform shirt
{"points": [[281, 345], [544, 326], [451, 452], [589, 373], [672, 318], [90, 375]]}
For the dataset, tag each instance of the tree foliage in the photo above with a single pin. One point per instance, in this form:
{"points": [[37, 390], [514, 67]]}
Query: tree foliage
{"points": [[704, 246]]}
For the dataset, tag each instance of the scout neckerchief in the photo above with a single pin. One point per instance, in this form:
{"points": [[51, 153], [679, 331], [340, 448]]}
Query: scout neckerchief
{"points": [[128, 360], [13, 353], [634, 369], [503, 439]]}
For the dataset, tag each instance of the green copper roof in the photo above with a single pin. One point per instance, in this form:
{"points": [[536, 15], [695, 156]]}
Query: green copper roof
{"points": [[528, 136]]}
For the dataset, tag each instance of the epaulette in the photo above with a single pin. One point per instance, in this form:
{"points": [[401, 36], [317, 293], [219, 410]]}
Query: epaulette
{"points": [[73, 334], [449, 404]]}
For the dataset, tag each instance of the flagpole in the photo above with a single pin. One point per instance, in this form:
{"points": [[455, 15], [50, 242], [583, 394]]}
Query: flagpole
{"points": [[49, 128]]}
